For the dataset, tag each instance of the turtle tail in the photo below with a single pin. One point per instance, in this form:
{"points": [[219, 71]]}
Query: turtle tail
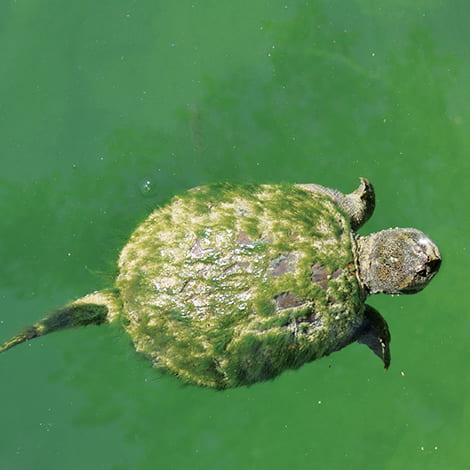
{"points": [[93, 309]]}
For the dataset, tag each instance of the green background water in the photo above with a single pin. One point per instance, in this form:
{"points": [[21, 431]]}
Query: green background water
{"points": [[109, 108]]}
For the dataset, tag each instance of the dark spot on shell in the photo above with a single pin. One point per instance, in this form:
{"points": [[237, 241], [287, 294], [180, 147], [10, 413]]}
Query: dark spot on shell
{"points": [[243, 265], [243, 239], [320, 275], [283, 264], [337, 273], [196, 249], [288, 300], [237, 268]]}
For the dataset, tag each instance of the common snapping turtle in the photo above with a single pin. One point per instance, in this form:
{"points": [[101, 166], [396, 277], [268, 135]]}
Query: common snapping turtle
{"points": [[228, 284]]}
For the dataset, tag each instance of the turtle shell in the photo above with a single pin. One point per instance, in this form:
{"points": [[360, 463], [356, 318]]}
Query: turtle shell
{"points": [[232, 284]]}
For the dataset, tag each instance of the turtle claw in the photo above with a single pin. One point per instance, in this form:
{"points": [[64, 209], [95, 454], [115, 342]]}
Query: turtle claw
{"points": [[375, 334]]}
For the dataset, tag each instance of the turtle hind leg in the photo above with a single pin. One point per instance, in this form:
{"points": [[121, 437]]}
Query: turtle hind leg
{"points": [[25, 335], [375, 334], [71, 316], [93, 309]]}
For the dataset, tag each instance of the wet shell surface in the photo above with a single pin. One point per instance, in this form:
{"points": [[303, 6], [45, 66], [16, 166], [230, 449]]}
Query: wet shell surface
{"points": [[232, 284]]}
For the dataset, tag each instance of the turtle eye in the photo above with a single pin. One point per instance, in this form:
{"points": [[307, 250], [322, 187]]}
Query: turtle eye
{"points": [[422, 272]]}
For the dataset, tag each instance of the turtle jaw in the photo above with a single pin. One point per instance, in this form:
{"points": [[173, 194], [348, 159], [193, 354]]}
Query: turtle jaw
{"points": [[430, 259], [423, 276]]}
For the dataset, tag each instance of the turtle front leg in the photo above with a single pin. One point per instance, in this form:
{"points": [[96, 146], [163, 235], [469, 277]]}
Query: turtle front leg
{"points": [[375, 334], [358, 205]]}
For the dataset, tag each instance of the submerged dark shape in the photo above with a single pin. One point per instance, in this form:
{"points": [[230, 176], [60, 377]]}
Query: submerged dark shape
{"points": [[228, 284]]}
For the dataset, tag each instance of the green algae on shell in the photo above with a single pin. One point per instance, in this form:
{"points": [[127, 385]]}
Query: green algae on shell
{"points": [[210, 295]]}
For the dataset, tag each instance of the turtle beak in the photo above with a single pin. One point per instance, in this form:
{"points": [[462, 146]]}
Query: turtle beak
{"points": [[432, 256], [431, 259], [433, 266]]}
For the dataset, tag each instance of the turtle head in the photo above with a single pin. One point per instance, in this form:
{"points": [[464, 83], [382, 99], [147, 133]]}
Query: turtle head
{"points": [[397, 261]]}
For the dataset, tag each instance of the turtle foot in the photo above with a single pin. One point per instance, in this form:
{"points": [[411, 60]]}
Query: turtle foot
{"points": [[375, 334], [360, 204]]}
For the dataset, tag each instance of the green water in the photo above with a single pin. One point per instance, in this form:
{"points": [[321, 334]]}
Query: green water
{"points": [[109, 108]]}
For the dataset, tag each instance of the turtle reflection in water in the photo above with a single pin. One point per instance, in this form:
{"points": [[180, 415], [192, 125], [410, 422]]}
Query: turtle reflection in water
{"points": [[229, 284]]}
